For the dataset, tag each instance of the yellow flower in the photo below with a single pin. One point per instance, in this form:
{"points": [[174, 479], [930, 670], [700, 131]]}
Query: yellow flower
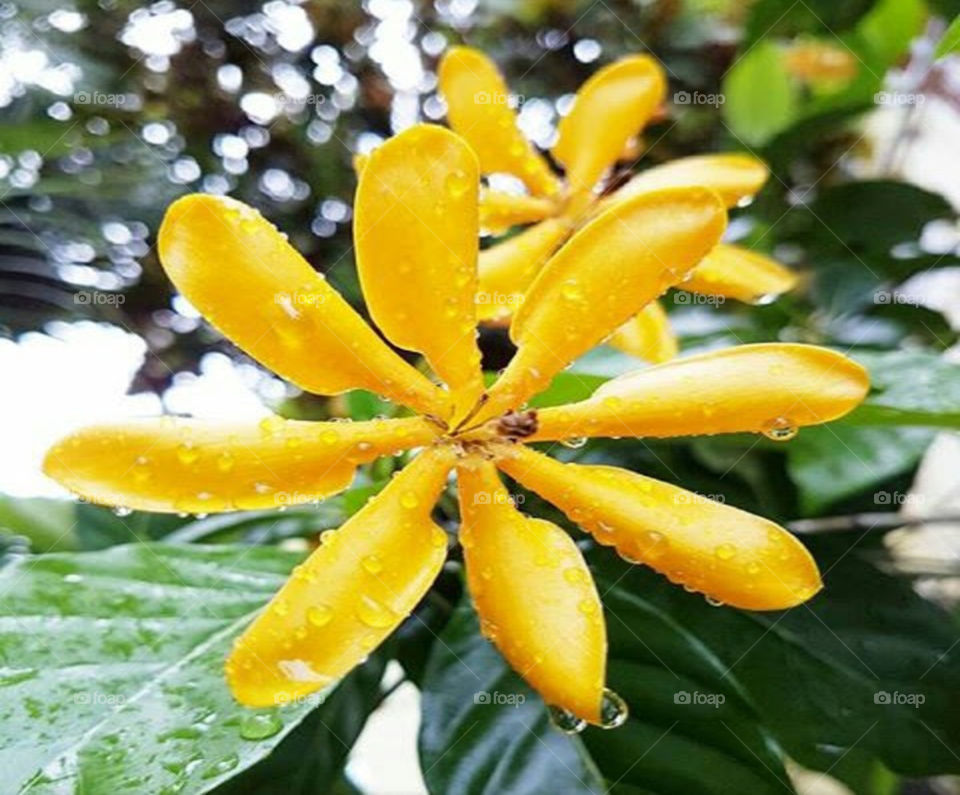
{"points": [[608, 113], [416, 236]]}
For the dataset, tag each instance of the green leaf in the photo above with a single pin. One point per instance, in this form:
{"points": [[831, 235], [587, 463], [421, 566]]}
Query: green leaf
{"points": [[910, 388], [46, 523], [113, 669], [816, 675], [834, 462], [950, 43], [890, 26], [664, 747], [760, 97], [471, 747]]}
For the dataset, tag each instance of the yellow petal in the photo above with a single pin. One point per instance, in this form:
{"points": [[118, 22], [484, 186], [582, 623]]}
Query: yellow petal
{"points": [[737, 272], [416, 237], [610, 270], [508, 268], [730, 555], [648, 335], [179, 465], [771, 388], [478, 109], [609, 110], [500, 211], [534, 593], [349, 595], [734, 176], [249, 282]]}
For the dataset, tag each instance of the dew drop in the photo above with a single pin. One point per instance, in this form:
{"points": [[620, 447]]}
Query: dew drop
{"points": [[319, 615], [225, 462], [613, 710], [566, 721], [409, 500], [187, 453], [588, 607], [457, 182], [780, 430], [713, 602], [259, 726], [575, 576], [122, 510], [372, 564], [374, 614], [574, 442], [725, 551]]}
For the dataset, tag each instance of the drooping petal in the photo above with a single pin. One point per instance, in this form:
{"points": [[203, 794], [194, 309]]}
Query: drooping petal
{"points": [[609, 109], [730, 555], [249, 282], [771, 388], [349, 595], [647, 335], [508, 268], [737, 272], [609, 271], [179, 465], [416, 237], [500, 211], [478, 108], [534, 593], [734, 176]]}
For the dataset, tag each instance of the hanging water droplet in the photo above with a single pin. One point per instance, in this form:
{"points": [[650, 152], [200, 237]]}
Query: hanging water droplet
{"points": [[259, 726], [574, 442], [122, 510], [713, 602], [566, 721], [780, 430], [613, 710]]}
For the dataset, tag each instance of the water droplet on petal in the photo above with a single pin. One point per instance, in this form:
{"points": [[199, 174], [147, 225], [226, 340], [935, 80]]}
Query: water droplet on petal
{"points": [[374, 614], [319, 615], [713, 602], [725, 551], [259, 726], [409, 500], [780, 430], [372, 564], [225, 462], [187, 453], [566, 721], [122, 510], [574, 442], [613, 711]]}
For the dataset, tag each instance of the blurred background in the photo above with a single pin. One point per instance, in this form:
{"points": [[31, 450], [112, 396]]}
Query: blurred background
{"points": [[111, 109]]}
